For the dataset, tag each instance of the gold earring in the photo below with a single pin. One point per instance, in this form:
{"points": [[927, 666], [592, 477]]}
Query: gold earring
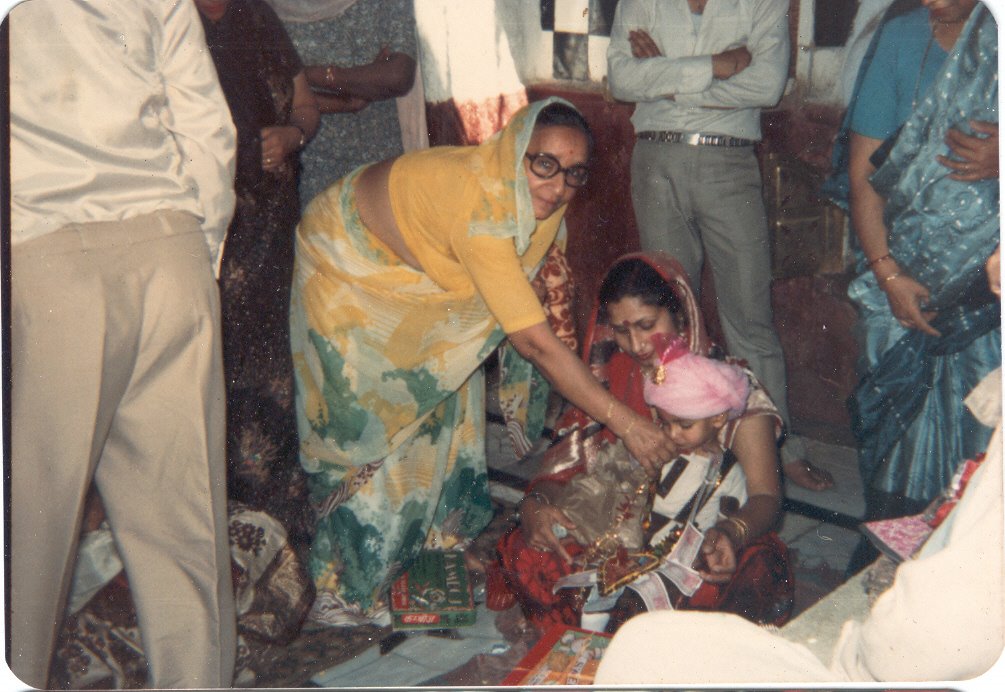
{"points": [[659, 375]]}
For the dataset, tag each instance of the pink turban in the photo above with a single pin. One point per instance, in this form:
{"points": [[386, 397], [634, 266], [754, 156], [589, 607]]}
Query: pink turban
{"points": [[695, 387]]}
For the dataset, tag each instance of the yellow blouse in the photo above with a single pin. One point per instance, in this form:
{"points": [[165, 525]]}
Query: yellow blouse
{"points": [[435, 195]]}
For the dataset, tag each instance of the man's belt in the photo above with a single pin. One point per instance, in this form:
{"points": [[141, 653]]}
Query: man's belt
{"points": [[694, 139]]}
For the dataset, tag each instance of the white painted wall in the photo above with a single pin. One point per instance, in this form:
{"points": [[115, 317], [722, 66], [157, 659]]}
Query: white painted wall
{"points": [[474, 49], [468, 48]]}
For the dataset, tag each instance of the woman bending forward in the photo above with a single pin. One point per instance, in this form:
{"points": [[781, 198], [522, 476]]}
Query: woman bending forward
{"points": [[408, 274]]}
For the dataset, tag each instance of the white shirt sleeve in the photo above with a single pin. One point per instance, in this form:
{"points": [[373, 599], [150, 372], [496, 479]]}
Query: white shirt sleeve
{"points": [[649, 79], [198, 116], [762, 83]]}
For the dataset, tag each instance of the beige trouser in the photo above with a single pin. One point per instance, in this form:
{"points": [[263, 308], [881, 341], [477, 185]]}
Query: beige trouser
{"points": [[704, 202], [117, 376]]}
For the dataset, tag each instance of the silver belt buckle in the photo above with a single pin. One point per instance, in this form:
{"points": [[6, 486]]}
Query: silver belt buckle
{"points": [[692, 138]]}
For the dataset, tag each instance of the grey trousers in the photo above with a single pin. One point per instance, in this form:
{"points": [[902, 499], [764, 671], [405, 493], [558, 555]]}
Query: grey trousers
{"points": [[117, 376], [698, 202]]}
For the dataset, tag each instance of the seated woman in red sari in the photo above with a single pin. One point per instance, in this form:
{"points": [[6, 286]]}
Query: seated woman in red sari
{"points": [[699, 536]]}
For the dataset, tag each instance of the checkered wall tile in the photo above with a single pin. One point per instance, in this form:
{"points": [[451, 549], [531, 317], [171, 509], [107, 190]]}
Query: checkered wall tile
{"points": [[580, 31]]}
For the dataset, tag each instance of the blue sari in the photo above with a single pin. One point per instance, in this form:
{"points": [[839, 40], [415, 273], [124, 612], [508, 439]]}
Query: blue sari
{"points": [[908, 413]]}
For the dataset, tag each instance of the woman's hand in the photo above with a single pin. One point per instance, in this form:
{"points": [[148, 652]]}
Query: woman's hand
{"points": [[718, 557], [906, 296], [649, 444], [537, 519], [278, 142], [573, 380]]}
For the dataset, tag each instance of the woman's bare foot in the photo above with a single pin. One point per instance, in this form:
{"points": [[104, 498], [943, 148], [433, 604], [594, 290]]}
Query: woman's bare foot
{"points": [[806, 475]]}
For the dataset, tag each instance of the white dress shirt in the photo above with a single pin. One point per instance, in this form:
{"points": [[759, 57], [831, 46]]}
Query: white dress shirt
{"points": [[700, 103], [115, 114]]}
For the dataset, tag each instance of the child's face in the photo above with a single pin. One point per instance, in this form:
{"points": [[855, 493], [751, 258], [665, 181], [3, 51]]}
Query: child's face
{"points": [[633, 323], [689, 435]]}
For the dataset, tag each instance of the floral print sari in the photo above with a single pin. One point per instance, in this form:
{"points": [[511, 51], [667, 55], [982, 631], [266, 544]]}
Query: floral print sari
{"points": [[390, 398]]}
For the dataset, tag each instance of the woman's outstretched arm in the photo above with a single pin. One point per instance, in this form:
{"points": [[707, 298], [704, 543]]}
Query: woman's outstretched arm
{"points": [[573, 380]]}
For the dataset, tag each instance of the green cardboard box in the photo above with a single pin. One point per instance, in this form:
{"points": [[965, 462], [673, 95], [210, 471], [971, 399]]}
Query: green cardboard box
{"points": [[435, 593]]}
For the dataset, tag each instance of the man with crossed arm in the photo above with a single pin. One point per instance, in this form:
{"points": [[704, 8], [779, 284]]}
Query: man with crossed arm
{"points": [[699, 72]]}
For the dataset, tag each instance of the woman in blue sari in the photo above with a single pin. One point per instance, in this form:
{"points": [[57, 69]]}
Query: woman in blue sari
{"points": [[926, 220]]}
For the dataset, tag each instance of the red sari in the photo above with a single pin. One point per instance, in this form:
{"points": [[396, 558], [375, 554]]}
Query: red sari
{"points": [[762, 589]]}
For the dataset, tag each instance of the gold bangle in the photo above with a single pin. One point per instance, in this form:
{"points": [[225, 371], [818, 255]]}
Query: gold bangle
{"points": [[303, 136], [744, 528], [879, 259], [742, 531], [895, 275], [610, 409]]}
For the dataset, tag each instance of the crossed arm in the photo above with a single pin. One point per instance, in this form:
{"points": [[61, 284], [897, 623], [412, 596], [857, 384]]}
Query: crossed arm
{"points": [[750, 74], [350, 89]]}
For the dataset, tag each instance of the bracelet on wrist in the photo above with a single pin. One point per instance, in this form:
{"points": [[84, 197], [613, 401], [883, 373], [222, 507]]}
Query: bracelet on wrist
{"points": [[629, 428], [874, 262], [895, 275], [737, 532], [303, 136]]}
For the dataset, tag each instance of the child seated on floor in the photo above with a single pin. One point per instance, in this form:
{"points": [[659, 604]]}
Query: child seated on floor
{"points": [[639, 544]]}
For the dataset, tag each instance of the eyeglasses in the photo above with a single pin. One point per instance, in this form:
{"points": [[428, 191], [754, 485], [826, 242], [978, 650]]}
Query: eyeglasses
{"points": [[546, 166]]}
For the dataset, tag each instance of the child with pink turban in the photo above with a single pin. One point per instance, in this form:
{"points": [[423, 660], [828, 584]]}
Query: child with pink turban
{"points": [[694, 395]]}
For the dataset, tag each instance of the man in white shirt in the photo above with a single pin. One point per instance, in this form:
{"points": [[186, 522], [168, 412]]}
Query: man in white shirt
{"points": [[699, 72], [122, 169]]}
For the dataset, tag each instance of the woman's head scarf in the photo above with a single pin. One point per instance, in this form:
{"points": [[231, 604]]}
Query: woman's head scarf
{"points": [[598, 341], [507, 210], [597, 333]]}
